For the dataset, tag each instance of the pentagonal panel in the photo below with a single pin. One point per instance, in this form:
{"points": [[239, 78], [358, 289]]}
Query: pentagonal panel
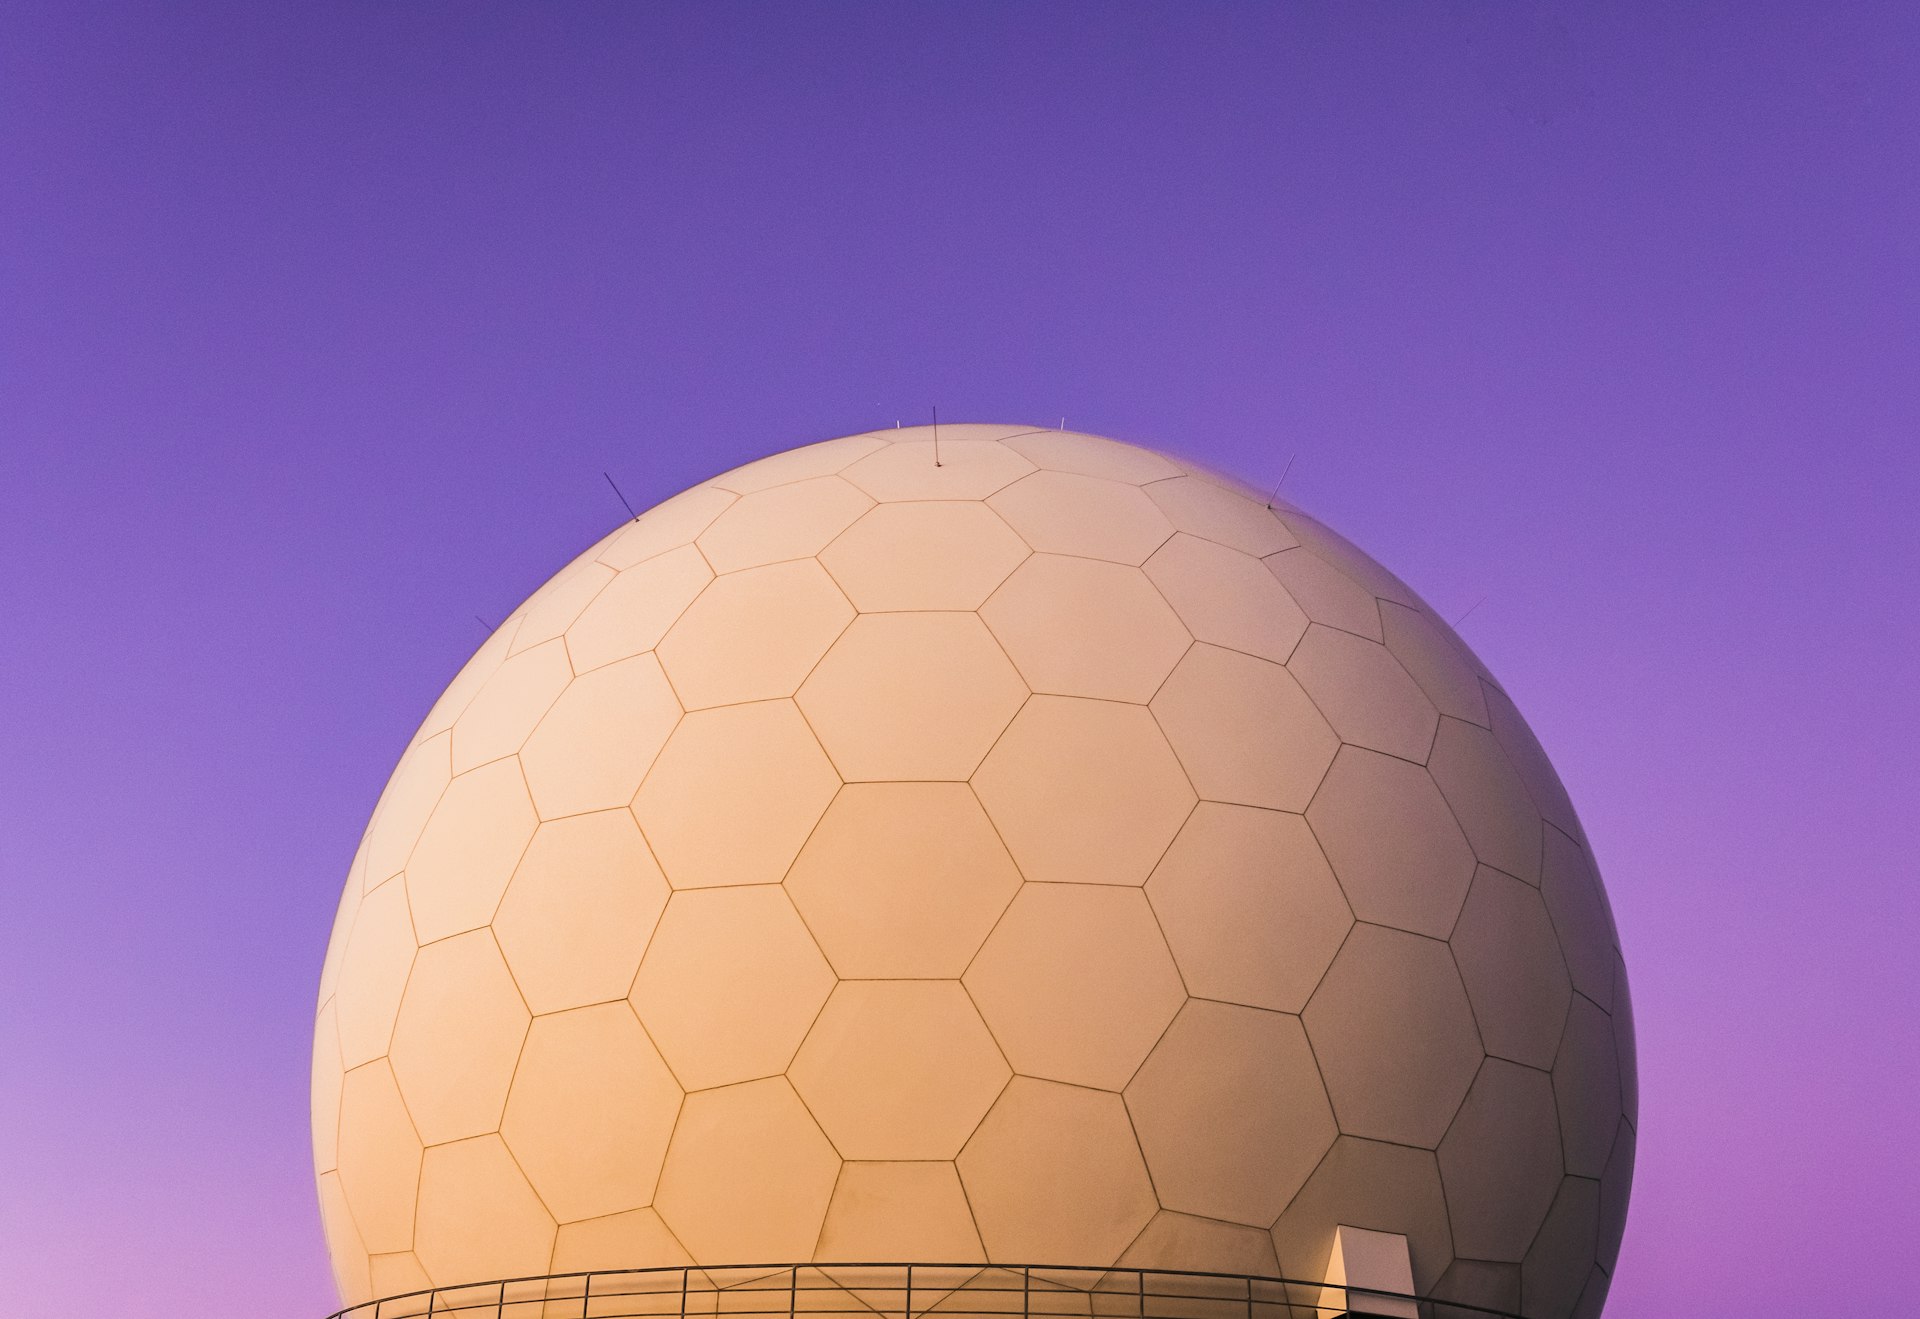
{"points": [[899, 1211], [1364, 693], [666, 526], [459, 1034], [753, 636], [594, 746], [1394, 1035], [1227, 598], [1054, 1173], [923, 555], [1371, 1185], [1078, 627], [556, 605], [463, 861], [1487, 798], [1586, 1088], [730, 984], [1510, 963], [1088, 516], [902, 880], [591, 1111], [1395, 847], [580, 910], [1230, 1113], [1084, 791], [1181, 1241], [498, 721], [734, 794], [1562, 1255], [1326, 594], [616, 1241], [512, 1238], [1243, 730], [898, 1069], [1501, 1162], [963, 470], [379, 1158], [1580, 916], [328, 1075], [802, 464], [1093, 455], [1212, 512], [373, 972], [1434, 658], [1249, 906], [730, 1147], [635, 610], [911, 696], [786, 522], [405, 806], [1076, 983]]}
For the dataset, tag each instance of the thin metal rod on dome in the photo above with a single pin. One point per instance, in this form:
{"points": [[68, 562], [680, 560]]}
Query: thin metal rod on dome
{"points": [[936, 435]]}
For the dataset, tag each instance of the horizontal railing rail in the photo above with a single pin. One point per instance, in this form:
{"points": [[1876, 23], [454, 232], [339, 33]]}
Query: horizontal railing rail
{"points": [[906, 1291]]}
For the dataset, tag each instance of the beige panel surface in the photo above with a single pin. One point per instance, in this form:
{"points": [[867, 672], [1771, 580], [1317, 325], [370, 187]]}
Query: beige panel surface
{"points": [[510, 1235], [666, 526], [1226, 517], [1487, 798], [1342, 554], [786, 522], [1089, 516], [468, 853], [899, 1211], [1084, 791], [915, 696], [1212, 1152], [327, 1077], [1429, 651], [496, 724], [352, 1276], [1615, 1184], [1181, 1241], [373, 973], [561, 603], [1227, 598], [379, 1158], [1413, 876], [617, 1241], [635, 610], [1093, 455], [1079, 627], [1555, 1270], [755, 635], [1076, 983], [923, 555], [902, 880], [1372, 1185], [459, 1034], [1500, 1162], [730, 984], [1510, 962], [411, 795], [1326, 594], [967, 469], [1249, 906], [808, 462], [597, 742], [1586, 1087], [1244, 730], [1580, 916], [1366, 695], [1481, 1283]]}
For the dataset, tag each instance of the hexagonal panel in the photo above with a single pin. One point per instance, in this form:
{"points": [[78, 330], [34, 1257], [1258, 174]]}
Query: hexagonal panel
{"points": [[911, 696], [1372, 1185], [1527, 756], [1433, 656], [784, 522], [1230, 1113], [379, 1158], [730, 1146], [1395, 847], [1093, 455], [1249, 906], [905, 1211], [807, 462], [1078, 627], [1394, 1035], [754, 635], [1243, 730], [1084, 791], [512, 1238], [1054, 1173], [1580, 916], [1488, 799], [590, 1113], [902, 880], [1586, 1089], [553, 608], [730, 984], [1088, 516], [1213, 512], [637, 607], [1510, 963], [1337, 550], [1227, 598], [1076, 983], [459, 1033], [596, 744], [1501, 1162], [1562, 1256], [373, 972], [1364, 693], [1326, 594], [668, 525], [409, 799], [923, 555], [499, 719], [469, 849], [1181, 1241], [617, 1241], [579, 910], [734, 794], [898, 1069], [966, 470]]}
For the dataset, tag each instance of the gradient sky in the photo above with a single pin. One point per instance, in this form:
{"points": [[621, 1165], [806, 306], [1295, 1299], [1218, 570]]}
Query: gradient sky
{"points": [[319, 323]]}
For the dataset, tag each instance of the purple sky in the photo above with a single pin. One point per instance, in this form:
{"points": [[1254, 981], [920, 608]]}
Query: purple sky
{"points": [[319, 323]]}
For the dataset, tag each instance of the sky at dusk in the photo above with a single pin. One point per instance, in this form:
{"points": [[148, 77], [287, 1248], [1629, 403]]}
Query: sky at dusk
{"points": [[319, 324]]}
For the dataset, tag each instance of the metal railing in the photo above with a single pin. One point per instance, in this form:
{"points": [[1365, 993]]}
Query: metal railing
{"points": [[904, 1291]]}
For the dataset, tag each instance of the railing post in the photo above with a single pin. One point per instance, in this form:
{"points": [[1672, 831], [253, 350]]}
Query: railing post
{"points": [[909, 1314], [1141, 1304], [1249, 1297], [500, 1302], [586, 1295], [793, 1288], [1026, 1291], [683, 1293]]}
